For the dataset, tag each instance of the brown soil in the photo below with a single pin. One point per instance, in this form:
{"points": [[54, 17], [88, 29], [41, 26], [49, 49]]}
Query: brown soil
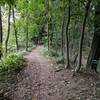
{"points": [[39, 81]]}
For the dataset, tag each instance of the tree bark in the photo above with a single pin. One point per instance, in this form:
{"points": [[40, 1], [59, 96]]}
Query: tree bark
{"points": [[27, 36], [62, 30], [6, 45], [82, 36], [1, 34], [51, 30], [95, 47], [15, 29], [48, 32], [67, 30]]}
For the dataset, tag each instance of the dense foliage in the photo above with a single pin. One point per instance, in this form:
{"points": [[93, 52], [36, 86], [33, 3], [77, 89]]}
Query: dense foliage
{"points": [[12, 62], [66, 27]]}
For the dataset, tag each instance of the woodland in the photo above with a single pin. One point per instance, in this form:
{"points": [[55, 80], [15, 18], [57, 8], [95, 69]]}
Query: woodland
{"points": [[50, 39]]}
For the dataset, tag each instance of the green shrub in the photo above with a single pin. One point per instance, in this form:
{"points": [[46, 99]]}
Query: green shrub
{"points": [[44, 51], [53, 53], [11, 62], [59, 60]]}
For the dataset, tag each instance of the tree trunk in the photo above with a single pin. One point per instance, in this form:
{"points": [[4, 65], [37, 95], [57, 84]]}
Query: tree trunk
{"points": [[51, 30], [1, 34], [15, 29], [95, 47], [82, 36], [27, 36], [6, 45], [48, 32], [67, 30], [62, 30]]}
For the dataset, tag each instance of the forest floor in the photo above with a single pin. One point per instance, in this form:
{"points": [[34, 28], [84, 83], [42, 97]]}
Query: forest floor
{"points": [[39, 81]]}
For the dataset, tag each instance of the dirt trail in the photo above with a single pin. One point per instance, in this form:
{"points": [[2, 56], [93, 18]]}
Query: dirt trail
{"points": [[39, 81]]}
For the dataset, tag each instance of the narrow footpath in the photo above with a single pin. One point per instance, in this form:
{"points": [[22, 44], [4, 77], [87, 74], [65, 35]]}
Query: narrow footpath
{"points": [[39, 81]]}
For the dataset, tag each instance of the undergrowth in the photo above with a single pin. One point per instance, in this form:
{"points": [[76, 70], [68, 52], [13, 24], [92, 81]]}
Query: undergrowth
{"points": [[54, 55], [44, 51], [12, 62], [57, 57]]}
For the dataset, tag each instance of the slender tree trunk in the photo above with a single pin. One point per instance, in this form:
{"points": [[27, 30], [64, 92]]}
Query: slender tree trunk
{"points": [[51, 31], [6, 42], [56, 42], [48, 23], [95, 47], [82, 36], [48, 31], [67, 30], [51, 39], [62, 30], [15, 29], [27, 36], [48, 36], [1, 34]]}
